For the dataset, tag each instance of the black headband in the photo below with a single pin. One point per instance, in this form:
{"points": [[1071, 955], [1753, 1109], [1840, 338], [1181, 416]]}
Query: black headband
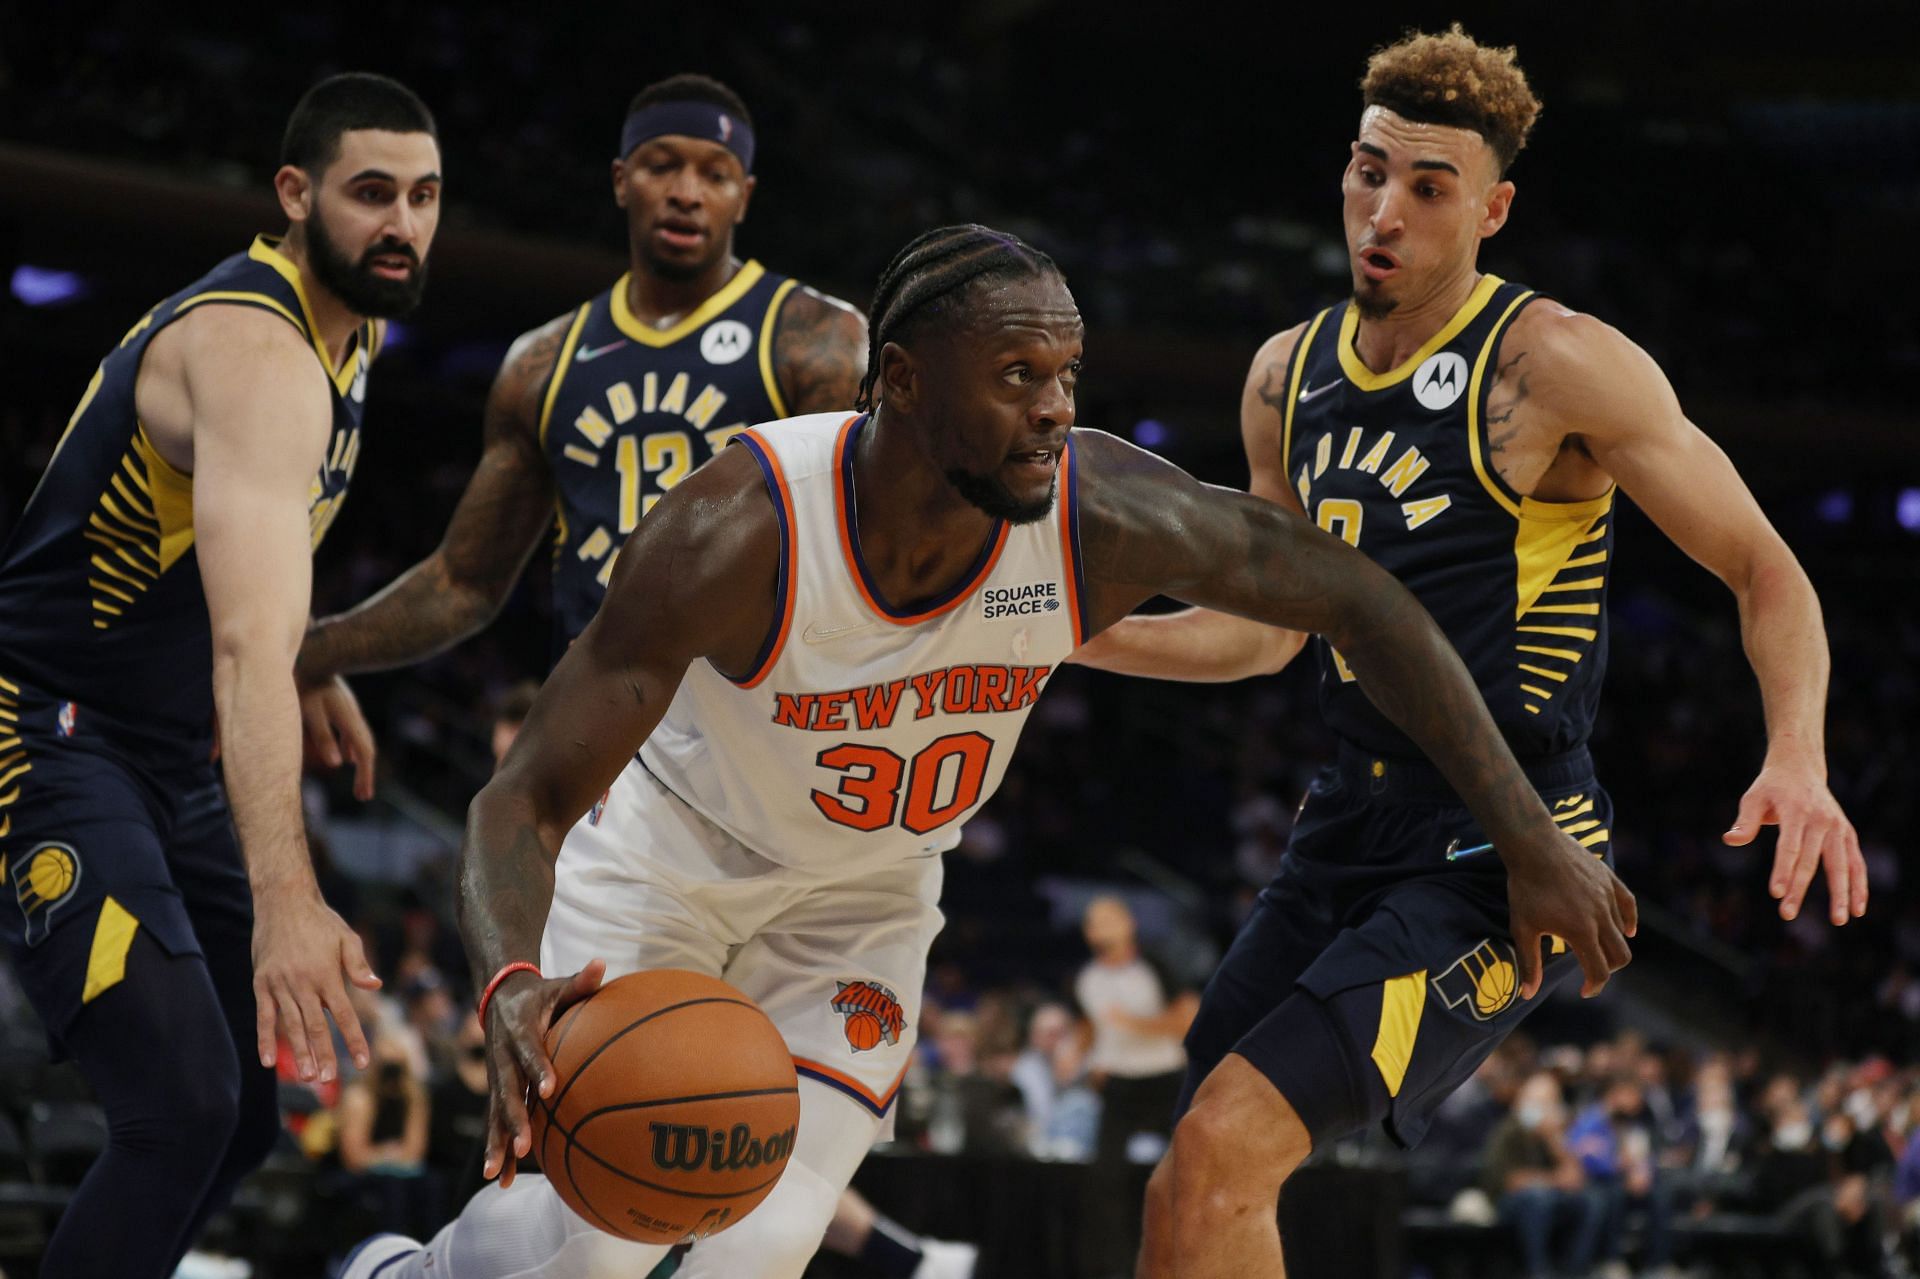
{"points": [[690, 119]]}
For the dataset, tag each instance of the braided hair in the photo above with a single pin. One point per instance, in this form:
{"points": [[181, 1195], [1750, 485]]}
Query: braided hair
{"points": [[940, 262]]}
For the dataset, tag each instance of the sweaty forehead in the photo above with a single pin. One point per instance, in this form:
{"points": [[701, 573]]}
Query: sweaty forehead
{"points": [[1031, 305], [1406, 140]]}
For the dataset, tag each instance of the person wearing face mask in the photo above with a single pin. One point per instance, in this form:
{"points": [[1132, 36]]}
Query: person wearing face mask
{"points": [[1538, 1184], [1714, 1143]]}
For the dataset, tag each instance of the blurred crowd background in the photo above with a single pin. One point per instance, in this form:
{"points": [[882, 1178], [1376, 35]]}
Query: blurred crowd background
{"points": [[1739, 198]]}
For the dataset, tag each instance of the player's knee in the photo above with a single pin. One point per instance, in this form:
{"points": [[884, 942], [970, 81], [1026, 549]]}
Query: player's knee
{"points": [[190, 1110], [1235, 1147]]}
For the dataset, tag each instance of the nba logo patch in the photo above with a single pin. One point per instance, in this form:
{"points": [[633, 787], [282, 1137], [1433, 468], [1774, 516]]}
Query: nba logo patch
{"points": [[64, 720], [872, 1013], [599, 807]]}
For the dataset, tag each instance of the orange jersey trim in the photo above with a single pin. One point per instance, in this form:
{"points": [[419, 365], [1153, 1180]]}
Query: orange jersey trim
{"points": [[846, 1083]]}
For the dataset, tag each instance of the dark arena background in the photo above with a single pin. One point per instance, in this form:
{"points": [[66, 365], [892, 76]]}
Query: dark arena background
{"points": [[1736, 187]]}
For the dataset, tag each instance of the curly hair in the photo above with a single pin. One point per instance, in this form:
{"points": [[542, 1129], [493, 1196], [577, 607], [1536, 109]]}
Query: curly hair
{"points": [[1454, 80]]}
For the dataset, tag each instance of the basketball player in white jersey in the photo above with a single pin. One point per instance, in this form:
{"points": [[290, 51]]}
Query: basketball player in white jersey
{"points": [[822, 646]]}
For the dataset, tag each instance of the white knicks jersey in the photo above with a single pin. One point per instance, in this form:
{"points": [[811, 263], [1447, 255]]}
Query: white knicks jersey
{"points": [[866, 734]]}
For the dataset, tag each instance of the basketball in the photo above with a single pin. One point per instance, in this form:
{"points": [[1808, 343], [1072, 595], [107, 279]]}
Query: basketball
{"points": [[674, 1109], [863, 1031]]}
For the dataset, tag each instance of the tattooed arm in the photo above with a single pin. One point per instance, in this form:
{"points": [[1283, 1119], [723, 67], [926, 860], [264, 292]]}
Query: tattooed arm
{"points": [[460, 587], [1199, 643], [1148, 528], [696, 581], [819, 352]]}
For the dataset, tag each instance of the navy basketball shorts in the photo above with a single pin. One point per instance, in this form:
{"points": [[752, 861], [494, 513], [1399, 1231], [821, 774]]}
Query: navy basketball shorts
{"points": [[99, 842], [1374, 976]]}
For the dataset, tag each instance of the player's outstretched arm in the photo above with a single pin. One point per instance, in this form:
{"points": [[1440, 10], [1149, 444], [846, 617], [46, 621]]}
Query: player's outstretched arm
{"points": [[1201, 644], [261, 413], [1148, 528], [819, 352], [695, 582], [1609, 395], [460, 587]]}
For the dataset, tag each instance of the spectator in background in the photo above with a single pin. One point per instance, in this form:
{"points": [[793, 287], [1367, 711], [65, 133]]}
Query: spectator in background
{"points": [[1538, 1184], [457, 1122], [1714, 1142], [1062, 1112], [1139, 1020], [384, 1117], [510, 714], [1614, 1143], [433, 1019]]}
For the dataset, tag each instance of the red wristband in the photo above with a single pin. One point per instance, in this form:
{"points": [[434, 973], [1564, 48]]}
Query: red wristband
{"points": [[486, 996]]}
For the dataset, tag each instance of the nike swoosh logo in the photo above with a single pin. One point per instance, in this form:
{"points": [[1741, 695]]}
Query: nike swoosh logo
{"points": [[1313, 392], [585, 353], [821, 634]]}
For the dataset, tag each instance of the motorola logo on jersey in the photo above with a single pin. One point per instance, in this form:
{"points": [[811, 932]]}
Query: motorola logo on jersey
{"points": [[725, 341], [1440, 380]]}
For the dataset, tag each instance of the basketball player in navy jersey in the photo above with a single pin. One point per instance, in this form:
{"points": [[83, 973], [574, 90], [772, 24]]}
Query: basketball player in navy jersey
{"points": [[161, 573], [598, 413], [877, 538], [1469, 436]]}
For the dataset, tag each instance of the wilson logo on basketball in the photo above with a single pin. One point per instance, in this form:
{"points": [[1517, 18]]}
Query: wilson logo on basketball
{"points": [[873, 1014], [685, 1148]]}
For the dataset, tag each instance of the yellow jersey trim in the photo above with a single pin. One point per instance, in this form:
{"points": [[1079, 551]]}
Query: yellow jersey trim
{"points": [[237, 295], [172, 491], [1367, 380], [266, 248], [732, 291], [766, 348], [1300, 352], [1402, 1000], [107, 960], [561, 366]]}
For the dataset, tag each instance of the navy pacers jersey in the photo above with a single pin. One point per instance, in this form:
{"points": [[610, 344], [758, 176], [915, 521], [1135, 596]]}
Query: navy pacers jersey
{"points": [[632, 410], [1399, 464], [101, 604]]}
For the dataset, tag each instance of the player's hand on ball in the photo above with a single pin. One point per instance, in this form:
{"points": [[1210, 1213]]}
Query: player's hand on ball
{"points": [[336, 731], [301, 950], [517, 1019], [1559, 889], [1814, 832]]}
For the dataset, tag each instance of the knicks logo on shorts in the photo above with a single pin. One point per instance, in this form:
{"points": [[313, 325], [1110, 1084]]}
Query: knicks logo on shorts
{"points": [[1484, 979], [42, 880], [873, 1014]]}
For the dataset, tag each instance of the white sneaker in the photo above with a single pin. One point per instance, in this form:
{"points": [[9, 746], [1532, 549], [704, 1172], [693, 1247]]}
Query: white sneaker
{"points": [[941, 1259], [378, 1257]]}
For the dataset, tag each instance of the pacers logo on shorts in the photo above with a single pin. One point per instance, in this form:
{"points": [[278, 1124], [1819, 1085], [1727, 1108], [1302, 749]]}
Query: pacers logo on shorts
{"points": [[1484, 979], [873, 1014], [42, 880]]}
